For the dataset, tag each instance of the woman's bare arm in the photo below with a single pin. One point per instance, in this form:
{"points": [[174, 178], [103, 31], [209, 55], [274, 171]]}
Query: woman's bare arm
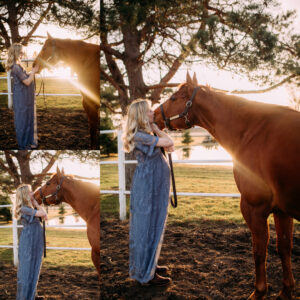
{"points": [[40, 210], [163, 139], [28, 80]]}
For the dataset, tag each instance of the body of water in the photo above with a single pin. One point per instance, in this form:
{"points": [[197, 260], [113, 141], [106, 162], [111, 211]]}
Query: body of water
{"points": [[202, 153], [68, 220]]}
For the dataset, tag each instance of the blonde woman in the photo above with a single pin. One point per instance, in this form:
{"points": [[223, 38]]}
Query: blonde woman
{"points": [[23, 99], [31, 243], [150, 191]]}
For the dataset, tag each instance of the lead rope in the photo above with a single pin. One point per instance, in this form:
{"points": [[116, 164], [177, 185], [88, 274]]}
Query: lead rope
{"points": [[42, 87], [173, 202], [44, 234]]}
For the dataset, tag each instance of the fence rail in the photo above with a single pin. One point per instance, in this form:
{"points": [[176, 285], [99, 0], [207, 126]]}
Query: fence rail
{"points": [[9, 87], [121, 162], [14, 246]]}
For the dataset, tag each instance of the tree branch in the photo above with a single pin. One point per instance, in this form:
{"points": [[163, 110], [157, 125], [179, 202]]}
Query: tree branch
{"points": [[110, 108], [107, 49], [36, 25], [4, 34], [263, 90], [155, 95], [159, 86], [112, 81], [12, 169], [39, 179]]}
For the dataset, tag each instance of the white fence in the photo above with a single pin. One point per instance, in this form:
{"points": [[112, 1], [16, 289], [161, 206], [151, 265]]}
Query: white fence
{"points": [[14, 246], [9, 87], [121, 172]]}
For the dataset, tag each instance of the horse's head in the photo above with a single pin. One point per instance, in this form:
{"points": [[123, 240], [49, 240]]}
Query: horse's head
{"points": [[48, 56], [176, 112], [52, 191]]}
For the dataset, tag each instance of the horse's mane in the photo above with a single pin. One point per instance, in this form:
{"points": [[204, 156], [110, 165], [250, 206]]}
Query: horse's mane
{"points": [[80, 43], [205, 88]]}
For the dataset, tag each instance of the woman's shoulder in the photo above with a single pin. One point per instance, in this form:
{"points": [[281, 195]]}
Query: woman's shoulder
{"points": [[142, 133], [142, 137], [26, 210], [16, 67]]}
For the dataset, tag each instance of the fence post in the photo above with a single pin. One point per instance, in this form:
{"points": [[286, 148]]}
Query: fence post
{"points": [[15, 241], [121, 171], [9, 91]]}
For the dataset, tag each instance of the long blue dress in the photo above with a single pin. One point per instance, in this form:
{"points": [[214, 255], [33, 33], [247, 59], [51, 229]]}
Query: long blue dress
{"points": [[31, 247], [24, 109], [149, 201]]}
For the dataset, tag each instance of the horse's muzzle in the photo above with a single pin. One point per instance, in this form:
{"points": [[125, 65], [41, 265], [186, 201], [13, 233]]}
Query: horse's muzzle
{"points": [[158, 120]]}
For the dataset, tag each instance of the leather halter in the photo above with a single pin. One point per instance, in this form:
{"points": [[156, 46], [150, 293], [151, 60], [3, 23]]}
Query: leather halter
{"points": [[184, 114], [58, 187]]}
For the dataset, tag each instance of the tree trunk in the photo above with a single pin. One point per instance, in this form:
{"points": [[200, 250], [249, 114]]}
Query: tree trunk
{"points": [[137, 87], [23, 157], [13, 21]]}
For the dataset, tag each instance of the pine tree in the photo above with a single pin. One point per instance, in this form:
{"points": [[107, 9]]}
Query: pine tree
{"points": [[61, 212], [187, 139], [245, 37]]}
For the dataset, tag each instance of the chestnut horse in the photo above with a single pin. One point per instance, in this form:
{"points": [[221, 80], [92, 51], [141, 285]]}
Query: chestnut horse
{"points": [[83, 197], [84, 59], [264, 142]]}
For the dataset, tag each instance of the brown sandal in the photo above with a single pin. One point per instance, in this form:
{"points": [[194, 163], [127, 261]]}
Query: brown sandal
{"points": [[159, 280]]}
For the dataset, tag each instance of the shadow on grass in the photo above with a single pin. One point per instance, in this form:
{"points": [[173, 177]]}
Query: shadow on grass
{"points": [[206, 259], [72, 282]]}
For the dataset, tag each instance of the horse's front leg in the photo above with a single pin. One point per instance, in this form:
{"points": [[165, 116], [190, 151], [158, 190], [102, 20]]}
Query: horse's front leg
{"points": [[95, 255], [93, 234], [284, 230], [92, 111], [258, 225]]}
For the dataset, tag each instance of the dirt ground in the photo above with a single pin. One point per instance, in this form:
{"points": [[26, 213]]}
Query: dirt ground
{"points": [[55, 283], [57, 129], [207, 260]]}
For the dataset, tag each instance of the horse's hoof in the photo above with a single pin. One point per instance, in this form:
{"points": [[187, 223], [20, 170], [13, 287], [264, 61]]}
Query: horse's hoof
{"points": [[285, 294], [257, 296]]}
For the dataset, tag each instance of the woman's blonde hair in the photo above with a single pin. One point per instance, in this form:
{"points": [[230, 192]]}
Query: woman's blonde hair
{"points": [[136, 119], [13, 55], [22, 198]]}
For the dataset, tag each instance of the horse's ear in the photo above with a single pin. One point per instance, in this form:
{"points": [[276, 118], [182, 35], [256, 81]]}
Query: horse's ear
{"points": [[195, 81], [62, 171], [188, 79], [48, 35]]}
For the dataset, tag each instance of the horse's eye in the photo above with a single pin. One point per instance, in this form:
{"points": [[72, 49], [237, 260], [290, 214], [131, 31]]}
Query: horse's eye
{"points": [[173, 98], [48, 183]]}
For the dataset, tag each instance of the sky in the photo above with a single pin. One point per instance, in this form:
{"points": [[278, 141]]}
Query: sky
{"points": [[215, 78], [73, 167], [229, 81]]}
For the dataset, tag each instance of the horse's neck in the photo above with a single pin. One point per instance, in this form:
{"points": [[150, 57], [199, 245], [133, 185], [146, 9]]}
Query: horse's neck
{"points": [[81, 199], [225, 117], [72, 55]]}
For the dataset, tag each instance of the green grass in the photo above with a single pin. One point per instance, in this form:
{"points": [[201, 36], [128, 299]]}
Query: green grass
{"points": [[53, 86], [55, 238], [189, 178]]}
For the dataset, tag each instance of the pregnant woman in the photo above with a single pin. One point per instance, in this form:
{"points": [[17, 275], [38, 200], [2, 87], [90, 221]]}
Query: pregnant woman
{"points": [[149, 194], [23, 99], [31, 244]]}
